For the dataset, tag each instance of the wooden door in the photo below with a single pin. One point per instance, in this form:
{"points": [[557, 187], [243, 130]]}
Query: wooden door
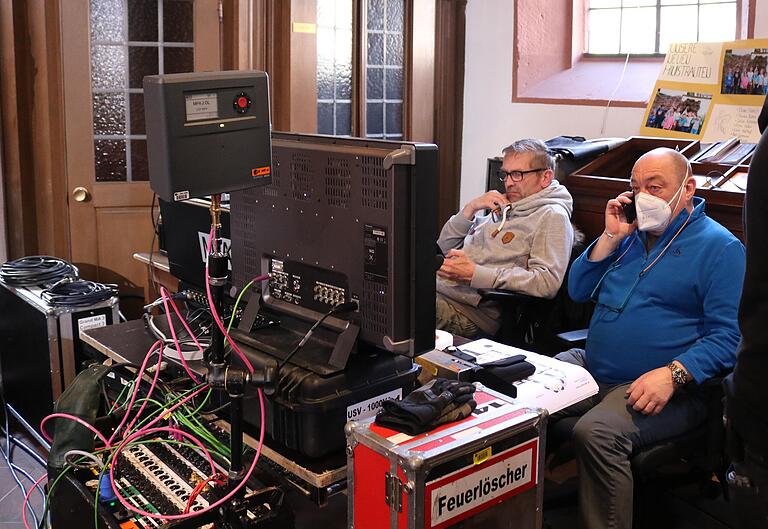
{"points": [[107, 48]]}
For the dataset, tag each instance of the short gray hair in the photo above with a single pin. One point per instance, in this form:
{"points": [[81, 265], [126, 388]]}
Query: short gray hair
{"points": [[539, 150]]}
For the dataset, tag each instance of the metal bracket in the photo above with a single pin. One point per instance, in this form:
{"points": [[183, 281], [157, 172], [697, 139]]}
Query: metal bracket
{"points": [[401, 347], [394, 492], [405, 155]]}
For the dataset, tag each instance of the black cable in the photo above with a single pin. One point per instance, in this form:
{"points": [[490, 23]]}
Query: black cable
{"points": [[78, 293], [151, 265], [338, 309], [35, 270]]}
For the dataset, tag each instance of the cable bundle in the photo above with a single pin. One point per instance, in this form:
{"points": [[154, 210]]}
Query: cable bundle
{"points": [[36, 270], [183, 427], [78, 293]]}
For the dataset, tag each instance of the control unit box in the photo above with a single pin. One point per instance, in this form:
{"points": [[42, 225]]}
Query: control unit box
{"points": [[207, 132]]}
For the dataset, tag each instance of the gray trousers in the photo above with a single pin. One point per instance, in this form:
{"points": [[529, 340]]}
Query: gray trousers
{"points": [[606, 435], [451, 320]]}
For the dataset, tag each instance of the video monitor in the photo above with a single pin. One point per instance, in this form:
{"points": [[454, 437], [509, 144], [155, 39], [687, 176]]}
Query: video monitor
{"points": [[343, 219]]}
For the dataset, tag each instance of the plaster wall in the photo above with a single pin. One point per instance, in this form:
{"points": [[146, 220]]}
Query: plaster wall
{"points": [[492, 121]]}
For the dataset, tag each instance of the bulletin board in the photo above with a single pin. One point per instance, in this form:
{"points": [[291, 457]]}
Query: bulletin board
{"points": [[710, 91]]}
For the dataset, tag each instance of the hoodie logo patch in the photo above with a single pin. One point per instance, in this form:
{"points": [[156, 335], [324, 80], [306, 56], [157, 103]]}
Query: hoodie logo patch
{"points": [[507, 237]]}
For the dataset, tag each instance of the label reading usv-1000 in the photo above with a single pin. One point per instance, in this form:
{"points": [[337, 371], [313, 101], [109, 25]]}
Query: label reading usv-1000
{"points": [[370, 407], [475, 488]]}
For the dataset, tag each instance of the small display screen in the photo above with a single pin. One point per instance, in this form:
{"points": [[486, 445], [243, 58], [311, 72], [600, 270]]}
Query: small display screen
{"points": [[202, 106]]}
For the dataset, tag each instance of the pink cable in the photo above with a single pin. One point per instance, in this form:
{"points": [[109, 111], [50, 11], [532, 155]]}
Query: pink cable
{"points": [[148, 431], [166, 297], [211, 506], [149, 393], [213, 308], [173, 408], [136, 389], [71, 418], [26, 500]]}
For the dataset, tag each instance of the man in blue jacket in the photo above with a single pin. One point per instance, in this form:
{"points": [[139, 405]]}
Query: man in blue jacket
{"points": [[666, 288]]}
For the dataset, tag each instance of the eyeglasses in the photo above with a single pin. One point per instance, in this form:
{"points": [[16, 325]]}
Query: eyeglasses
{"points": [[515, 176]]}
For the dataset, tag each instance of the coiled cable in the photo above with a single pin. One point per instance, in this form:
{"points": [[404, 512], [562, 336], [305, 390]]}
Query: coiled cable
{"points": [[36, 270], [78, 292]]}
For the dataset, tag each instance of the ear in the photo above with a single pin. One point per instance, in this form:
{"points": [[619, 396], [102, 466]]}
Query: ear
{"points": [[547, 178], [690, 188]]}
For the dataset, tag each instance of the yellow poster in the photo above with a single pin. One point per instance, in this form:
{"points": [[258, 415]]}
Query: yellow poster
{"points": [[709, 91]]}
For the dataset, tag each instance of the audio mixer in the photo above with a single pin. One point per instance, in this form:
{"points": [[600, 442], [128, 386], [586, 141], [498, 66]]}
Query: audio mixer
{"points": [[159, 477]]}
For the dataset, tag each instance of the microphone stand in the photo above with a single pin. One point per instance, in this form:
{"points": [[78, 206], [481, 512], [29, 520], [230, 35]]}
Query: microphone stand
{"points": [[224, 377]]}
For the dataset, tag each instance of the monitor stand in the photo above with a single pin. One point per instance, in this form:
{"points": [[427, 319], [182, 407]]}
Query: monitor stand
{"points": [[325, 353]]}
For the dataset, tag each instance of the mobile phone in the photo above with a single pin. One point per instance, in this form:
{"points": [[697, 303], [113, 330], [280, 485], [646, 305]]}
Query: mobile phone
{"points": [[630, 211]]}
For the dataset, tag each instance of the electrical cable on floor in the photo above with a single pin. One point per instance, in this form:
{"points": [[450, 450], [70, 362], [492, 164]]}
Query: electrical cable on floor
{"points": [[6, 452], [29, 450]]}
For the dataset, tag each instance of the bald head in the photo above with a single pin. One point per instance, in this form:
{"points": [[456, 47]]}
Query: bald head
{"points": [[670, 160], [664, 173]]}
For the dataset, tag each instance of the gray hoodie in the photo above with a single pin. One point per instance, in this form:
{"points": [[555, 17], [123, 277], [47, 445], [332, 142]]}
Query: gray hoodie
{"points": [[530, 255]]}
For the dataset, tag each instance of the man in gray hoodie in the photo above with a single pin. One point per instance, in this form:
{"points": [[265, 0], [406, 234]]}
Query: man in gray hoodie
{"points": [[523, 245]]}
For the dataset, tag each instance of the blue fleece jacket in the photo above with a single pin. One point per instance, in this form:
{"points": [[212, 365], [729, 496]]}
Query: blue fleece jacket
{"points": [[684, 308]]}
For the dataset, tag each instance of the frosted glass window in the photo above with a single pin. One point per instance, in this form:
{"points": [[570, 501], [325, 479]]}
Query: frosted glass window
{"points": [[384, 69], [650, 26], [334, 67], [129, 40]]}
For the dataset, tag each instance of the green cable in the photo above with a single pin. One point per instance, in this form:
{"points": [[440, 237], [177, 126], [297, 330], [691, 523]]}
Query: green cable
{"points": [[200, 430], [168, 404], [205, 435], [205, 401], [200, 427], [43, 522], [119, 396], [234, 309], [213, 443]]}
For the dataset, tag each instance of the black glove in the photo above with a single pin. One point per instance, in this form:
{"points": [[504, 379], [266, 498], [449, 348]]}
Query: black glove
{"points": [[435, 403], [501, 374], [456, 412]]}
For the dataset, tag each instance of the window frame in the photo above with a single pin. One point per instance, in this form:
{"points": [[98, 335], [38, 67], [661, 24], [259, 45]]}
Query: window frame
{"points": [[567, 58], [657, 42]]}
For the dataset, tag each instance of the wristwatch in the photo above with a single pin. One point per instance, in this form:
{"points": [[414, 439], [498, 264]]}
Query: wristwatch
{"points": [[679, 376]]}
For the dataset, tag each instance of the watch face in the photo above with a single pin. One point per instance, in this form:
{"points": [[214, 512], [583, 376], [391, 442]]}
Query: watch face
{"points": [[679, 377]]}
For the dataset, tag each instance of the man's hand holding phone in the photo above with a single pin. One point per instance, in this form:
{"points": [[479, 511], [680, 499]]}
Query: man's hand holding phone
{"points": [[620, 217], [620, 222]]}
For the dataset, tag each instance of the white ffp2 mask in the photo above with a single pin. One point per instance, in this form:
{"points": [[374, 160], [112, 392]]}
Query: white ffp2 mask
{"points": [[653, 213]]}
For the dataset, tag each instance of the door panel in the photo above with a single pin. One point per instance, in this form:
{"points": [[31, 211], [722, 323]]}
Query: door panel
{"points": [[134, 226], [114, 221]]}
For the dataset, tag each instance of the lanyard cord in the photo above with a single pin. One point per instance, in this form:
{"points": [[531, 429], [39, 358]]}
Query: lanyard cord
{"points": [[690, 214], [661, 253], [495, 232], [490, 218]]}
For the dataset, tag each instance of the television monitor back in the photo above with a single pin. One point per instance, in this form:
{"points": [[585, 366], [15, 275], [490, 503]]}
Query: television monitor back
{"points": [[345, 219]]}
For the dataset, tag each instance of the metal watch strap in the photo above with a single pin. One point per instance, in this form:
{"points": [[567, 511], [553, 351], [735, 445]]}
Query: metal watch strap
{"points": [[679, 376]]}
